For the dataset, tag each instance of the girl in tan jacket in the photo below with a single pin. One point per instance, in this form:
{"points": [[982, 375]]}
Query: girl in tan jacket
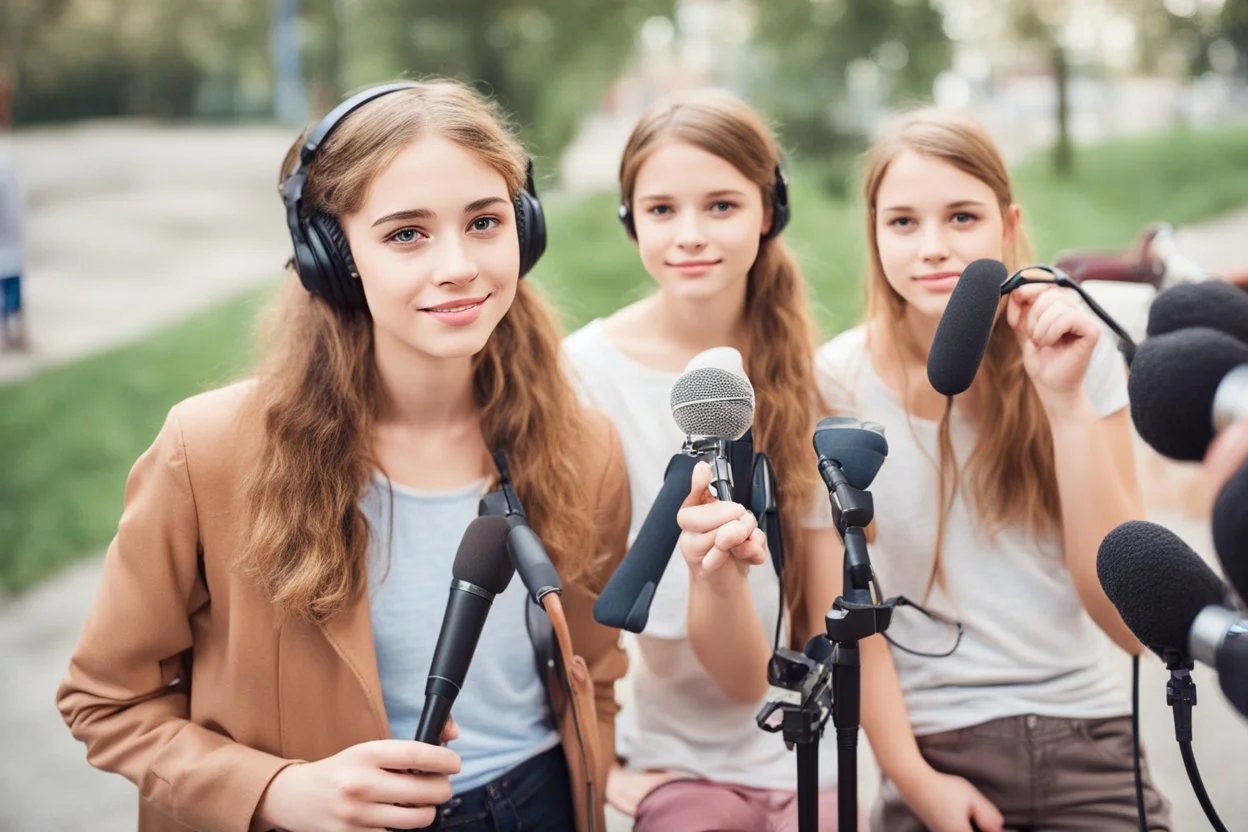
{"points": [[257, 653]]}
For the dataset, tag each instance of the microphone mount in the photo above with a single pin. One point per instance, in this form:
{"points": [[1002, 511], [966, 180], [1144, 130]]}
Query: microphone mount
{"points": [[1126, 345]]}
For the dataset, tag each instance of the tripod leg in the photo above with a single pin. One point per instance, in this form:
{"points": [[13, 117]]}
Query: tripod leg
{"points": [[846, 700]]}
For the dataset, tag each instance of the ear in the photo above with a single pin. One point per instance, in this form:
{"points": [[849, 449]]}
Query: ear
{"points": [[769, 214], [1013, 221]]}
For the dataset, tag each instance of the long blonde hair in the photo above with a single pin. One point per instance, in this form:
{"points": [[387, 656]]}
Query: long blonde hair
{"points": [[308, 539], [1012, 474], [780, 333]]}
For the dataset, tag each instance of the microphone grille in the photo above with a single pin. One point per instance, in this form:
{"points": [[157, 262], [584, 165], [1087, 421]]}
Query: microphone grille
{"points": [[709, 401], [482, 558]]}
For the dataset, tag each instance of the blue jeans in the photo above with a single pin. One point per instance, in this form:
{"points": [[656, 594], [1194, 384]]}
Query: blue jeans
{"points": [[535, 796], [10, 294]]}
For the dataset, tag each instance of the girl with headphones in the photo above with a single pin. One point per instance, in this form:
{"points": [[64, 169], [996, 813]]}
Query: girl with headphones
{"points": [[258, 650], [991, 506], [703, 198]]}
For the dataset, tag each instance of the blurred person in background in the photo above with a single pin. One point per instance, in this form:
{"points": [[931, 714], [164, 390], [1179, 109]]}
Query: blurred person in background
{"points": [[12, 248], [704, 199], [258, 649]]}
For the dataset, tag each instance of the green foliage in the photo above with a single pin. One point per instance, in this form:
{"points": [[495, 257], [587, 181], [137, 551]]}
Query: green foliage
{"points": [[806, 50]]}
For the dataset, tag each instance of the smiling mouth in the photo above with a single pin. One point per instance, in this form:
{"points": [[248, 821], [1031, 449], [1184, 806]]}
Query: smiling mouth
{"points": [[457, 306]]}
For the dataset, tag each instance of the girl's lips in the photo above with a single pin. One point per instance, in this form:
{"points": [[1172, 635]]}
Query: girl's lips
{"points": [[458, 312]]}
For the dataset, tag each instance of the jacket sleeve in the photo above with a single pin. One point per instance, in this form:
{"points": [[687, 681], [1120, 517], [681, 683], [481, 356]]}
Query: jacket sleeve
{"points": [[127, 692], [597, 644]]}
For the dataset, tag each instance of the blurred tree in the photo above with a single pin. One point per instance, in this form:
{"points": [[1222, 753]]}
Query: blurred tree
{"points": [[826, 68], [547, 62]]}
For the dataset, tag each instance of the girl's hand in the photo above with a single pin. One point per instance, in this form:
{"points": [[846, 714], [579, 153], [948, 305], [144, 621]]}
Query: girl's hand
{"points": [[1057, 336], [395, 784], [717, 537]]}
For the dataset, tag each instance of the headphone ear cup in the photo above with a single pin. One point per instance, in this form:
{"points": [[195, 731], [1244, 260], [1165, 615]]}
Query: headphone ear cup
{"points": [[626, 218], [530, 228], [780, 211], [336, 278]]}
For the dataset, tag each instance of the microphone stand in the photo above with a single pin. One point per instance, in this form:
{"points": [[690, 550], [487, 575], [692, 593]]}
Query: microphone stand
{"points": [[828, 672], [1181, 696], [854, 616]]}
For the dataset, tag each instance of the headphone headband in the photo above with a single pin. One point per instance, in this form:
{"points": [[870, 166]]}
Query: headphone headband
{"points": [[322, 254]]}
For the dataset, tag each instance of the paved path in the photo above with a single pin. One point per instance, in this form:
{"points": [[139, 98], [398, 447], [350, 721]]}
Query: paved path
{"points": [[132, 227]]}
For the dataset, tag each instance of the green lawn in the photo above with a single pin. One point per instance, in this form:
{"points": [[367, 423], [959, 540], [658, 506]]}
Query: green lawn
{"points": [[70, 434]]}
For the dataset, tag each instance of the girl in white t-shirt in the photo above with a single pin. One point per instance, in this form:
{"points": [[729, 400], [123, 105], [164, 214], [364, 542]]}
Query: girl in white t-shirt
{"points": [[990, 507], [703, 198]]}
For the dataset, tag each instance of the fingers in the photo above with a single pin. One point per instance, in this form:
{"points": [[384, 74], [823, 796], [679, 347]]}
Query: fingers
{"points": [[405, 788], [451, 731], [699, 487], [1050, 317], [699, 519], [382, 817], [986, 816], [1227, 452], [408, 755]]}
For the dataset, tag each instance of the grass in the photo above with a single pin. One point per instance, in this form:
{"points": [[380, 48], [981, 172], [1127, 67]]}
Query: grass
{"points": [[71, 433]]}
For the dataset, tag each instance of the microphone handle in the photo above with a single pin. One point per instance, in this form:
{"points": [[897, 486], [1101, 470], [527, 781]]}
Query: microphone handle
{"points": [[721, 474], [466, 609], [625, 600]]}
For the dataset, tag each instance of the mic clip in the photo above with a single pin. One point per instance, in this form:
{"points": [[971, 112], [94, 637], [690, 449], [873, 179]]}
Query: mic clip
{"points": [[526, 549], [717, 451]]}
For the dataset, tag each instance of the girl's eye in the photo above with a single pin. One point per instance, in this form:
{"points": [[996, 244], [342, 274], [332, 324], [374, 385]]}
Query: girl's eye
{"points": [[901, 222], [962, 217], [483, 223], [722, 207], [660, 210], [406, 235]]}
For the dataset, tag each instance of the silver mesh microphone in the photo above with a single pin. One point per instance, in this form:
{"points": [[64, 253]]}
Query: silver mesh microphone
{"points": [[713, 404]]}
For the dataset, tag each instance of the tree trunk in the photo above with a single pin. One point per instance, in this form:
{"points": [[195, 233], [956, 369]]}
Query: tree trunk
{"points": [[1063, 151]]}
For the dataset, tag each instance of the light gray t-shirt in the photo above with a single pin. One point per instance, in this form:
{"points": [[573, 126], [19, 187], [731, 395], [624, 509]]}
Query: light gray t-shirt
{"points": [[1029, 646], [501, 711]]}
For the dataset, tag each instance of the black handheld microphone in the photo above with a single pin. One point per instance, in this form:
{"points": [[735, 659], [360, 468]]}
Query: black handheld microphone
{"points": [[1157, 583], [481, 571], [1230, 530], [1185, 386], [713, 405], [1173, 602], [1213, 304]]}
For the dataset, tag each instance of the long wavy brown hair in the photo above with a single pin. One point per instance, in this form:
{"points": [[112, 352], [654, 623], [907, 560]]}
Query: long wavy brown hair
{"points": [[321, 392], [1011, 473], [780, 333]]}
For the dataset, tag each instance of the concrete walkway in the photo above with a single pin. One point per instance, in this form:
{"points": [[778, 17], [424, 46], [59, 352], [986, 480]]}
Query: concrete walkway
{"points": [[133, 227]]}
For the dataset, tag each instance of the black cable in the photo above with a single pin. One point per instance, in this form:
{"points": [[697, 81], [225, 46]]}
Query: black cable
{"points": [[1135, 741], [1198, 786]]}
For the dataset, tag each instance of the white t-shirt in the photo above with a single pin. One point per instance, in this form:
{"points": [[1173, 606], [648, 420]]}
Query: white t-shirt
{"points": [[679, 720], [1029, 646]]}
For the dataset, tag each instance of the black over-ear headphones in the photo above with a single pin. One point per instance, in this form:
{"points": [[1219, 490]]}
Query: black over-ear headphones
{"points": [[780, 212], [322, 256]]}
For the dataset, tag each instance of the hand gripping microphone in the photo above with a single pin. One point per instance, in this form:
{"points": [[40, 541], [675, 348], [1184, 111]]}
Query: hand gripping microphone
{"points": [[712, 395], [1185, 386], [481, 571]]}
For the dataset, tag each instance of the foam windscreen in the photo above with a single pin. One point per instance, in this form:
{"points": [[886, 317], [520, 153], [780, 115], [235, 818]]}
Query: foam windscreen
{"points": [[1172, 385], [1157, 583], [965, 327]]}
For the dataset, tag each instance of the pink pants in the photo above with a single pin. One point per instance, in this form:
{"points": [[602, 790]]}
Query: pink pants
{"points": [[705, 806]]}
